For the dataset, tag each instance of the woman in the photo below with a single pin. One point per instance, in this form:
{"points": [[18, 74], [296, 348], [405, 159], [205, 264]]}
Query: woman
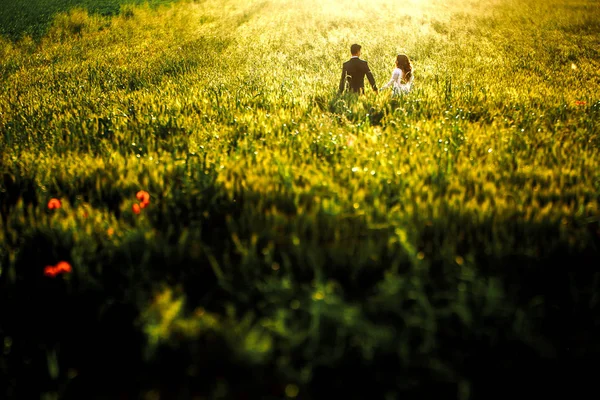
{"points": [[402, 76]]}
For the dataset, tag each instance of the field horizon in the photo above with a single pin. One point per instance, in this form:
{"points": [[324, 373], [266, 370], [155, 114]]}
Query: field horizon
{"points": [[189, 208]]}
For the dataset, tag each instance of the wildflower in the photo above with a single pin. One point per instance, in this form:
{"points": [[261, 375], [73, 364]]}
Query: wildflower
{"points": [[54, 203], [62, 267], [136, 208], [110, 231], [351, 140], [143, 197], [580, 103]]}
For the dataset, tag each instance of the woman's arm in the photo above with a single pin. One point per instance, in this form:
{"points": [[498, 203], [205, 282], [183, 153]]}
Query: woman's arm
{"points": [[395, 76]]}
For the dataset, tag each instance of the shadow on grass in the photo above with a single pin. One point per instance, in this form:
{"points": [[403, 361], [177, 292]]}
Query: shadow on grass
{"points": [[352, 315]]}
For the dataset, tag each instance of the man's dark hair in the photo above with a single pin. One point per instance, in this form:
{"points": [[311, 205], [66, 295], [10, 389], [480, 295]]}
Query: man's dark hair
{"points": [[355, 48]]}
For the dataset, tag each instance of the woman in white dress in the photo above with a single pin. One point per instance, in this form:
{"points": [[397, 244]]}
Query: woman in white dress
{"points": [[402, 77]]}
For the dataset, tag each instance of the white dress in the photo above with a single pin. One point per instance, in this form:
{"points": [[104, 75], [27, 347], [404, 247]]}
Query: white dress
{"points": [[396, 82]]}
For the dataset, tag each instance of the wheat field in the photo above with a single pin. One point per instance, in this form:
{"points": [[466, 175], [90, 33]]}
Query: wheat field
{"points": [[190, 209]]}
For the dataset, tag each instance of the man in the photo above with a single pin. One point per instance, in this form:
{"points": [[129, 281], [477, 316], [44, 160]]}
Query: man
{"points": [[354, 72]]}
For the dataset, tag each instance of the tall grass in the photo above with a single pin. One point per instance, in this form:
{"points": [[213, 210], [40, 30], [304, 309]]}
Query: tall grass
{"points": [[31, 18], [300, 243]]}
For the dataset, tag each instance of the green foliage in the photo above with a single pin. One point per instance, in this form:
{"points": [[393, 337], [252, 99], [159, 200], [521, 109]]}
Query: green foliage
{"points": [[298, 242], [33, 17]]}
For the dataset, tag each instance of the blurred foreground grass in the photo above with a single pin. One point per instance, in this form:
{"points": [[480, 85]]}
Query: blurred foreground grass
{"points": [[299, 243]]}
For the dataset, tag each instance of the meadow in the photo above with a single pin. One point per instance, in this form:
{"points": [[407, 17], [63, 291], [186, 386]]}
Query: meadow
{"points": [[33, 17], [298, 243]]}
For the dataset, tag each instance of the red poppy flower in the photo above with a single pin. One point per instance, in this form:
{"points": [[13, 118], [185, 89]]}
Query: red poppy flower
{"points": [[54, 203], [136, 208], [50, 271], [143, 197], [580, 103], [63, 266]]}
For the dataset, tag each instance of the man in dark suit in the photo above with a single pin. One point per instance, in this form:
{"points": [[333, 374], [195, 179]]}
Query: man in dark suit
{"points": [[354, 72]]}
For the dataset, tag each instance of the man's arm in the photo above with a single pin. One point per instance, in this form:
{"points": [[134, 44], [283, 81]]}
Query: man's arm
{"points": [[370, 77], [343, 80]]}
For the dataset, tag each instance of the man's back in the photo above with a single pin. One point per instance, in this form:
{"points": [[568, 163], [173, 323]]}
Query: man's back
{"points": [[354, 71]]}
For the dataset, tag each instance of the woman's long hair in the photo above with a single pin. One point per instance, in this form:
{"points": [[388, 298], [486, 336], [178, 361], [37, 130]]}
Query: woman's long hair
{"points": [[404, 64]]}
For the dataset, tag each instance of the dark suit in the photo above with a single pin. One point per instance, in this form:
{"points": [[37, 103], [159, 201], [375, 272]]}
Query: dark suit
{"points": [[354, 72]]}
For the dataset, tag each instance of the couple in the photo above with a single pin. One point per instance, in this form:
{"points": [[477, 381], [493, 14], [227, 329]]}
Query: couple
{"points": [[355, 69]]}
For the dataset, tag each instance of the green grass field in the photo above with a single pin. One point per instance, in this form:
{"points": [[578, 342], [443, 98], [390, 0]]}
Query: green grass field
{"points": [[298, 243], [20, 18]]}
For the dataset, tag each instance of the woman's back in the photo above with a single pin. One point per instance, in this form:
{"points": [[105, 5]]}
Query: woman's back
{"points": [[398, 82]]}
